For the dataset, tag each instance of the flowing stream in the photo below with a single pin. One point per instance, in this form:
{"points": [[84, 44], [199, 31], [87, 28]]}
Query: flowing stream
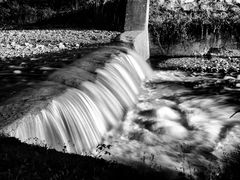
{"points": [[182, 121], [163, 119]]}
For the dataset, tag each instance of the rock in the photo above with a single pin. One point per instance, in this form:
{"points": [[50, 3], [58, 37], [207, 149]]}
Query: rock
{"points": [[40, 46], [9, 46], [46, 68], [13, 44], [238, 85], [237, 1], [229, 78], [229, 1], [15, 67], [23, 64], [34, 59], [17, 72], [189, 6], [238, 77], [28, 45], [17, 46], [61, 46], [176, 131], [166, 113]]}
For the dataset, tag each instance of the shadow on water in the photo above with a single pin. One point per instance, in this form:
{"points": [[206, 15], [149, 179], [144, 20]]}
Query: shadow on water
{"points": [[18, 73]]}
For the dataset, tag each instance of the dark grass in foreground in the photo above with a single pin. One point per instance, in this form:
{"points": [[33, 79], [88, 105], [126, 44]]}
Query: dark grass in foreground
{"points": [[22, 161], [231, 170]]}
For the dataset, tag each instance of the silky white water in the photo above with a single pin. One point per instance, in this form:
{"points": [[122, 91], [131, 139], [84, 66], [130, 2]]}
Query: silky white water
{"points": [[77, 120], [162, 119]]}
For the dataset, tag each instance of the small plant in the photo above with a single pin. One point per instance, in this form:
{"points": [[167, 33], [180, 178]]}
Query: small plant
{"points": [[103, 149]]}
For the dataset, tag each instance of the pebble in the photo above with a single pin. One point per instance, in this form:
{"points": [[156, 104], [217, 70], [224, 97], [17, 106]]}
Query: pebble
{"points": [[229, 78], [17, 72], [61, 46], [40, 46], [34, 59], [238, 85], [28, 45], [15, 67], [46, 68], [15, 43], [238, 77]]}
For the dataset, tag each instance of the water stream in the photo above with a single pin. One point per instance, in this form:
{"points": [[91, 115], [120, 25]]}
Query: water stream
{"points": [[172, 119], [182, 121]]}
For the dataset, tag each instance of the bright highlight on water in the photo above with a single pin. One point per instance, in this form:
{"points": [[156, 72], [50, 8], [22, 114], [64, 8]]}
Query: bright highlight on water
{"points": [[79, 118]]}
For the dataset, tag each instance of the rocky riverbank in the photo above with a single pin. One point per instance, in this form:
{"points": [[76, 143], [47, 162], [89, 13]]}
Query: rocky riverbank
{"points": [[22, 43]]}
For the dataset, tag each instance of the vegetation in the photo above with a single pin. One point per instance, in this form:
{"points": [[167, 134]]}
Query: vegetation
{"points": [[22, 161], [175, 22]]}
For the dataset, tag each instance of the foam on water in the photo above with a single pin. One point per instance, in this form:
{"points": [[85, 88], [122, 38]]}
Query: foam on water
{"points": [[79, 118], [178, 125]]}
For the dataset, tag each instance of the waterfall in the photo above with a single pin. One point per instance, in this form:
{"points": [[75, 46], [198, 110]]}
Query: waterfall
{"points": [[78, 118]]}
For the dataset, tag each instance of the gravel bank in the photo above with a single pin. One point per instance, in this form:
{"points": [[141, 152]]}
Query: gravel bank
{"points": [[215, 64], [21, 43]]}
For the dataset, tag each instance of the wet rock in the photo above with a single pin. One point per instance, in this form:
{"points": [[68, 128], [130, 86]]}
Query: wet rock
{"points": [[167, 113]]}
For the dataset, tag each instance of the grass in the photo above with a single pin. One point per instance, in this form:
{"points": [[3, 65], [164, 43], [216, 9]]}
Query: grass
{"points": [[22, 161]]}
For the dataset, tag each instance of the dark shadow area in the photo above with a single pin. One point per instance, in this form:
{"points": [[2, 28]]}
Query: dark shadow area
{"points": [[22, 161], [104, 15]]}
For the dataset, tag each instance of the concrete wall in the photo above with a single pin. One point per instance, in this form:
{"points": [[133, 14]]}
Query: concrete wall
{"points": [[136, 26]]}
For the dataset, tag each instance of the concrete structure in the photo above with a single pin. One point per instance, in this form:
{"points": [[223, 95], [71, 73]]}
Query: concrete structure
{"points": [[136, 26]]}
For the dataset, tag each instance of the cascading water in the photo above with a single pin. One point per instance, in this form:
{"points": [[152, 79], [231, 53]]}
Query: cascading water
{"points": [[79, 118]]}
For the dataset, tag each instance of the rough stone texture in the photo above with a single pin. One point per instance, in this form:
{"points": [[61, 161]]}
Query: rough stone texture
{"points": [[22, 43], [136, 26]]}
